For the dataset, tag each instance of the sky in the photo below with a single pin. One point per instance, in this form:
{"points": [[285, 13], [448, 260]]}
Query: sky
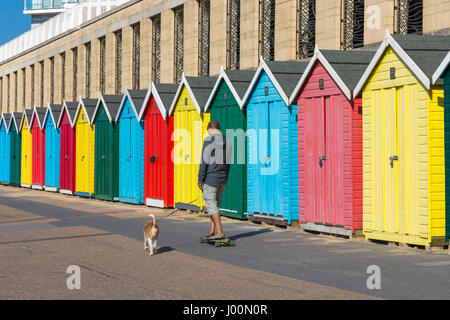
{"points": [[12, 20]]}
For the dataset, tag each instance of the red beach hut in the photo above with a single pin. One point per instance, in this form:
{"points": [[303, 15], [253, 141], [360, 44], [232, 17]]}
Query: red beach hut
{"points": [[330, 142], [38, 146], [67, 147], [158, 129]]}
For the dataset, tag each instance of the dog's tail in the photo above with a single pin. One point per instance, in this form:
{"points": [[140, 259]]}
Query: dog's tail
{"points": [[153, 217]]}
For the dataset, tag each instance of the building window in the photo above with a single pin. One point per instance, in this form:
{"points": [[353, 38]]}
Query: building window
{"points": [[306, 28], [88, 69], [156, 49], [15, 91], [63, 76], [203, 37], [233, 34], [352, 24], [1, 94], [102, 41], [136, 55], [409, 16], [118, 36], [24, 86], [32, 85], [267, 29], [41, 65], [179, 43], [75, 73], [8, 107], [52, 80]]}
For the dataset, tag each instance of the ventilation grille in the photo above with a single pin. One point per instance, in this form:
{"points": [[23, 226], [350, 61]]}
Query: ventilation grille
{"points": [[118, 76], [267, 29], [306, 28], [179, 43], [203, 39], [136, 55], [233, 34], [156, 49]]}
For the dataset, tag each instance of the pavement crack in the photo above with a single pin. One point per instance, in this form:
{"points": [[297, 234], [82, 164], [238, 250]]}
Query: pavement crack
{"points": [[125, 281]]}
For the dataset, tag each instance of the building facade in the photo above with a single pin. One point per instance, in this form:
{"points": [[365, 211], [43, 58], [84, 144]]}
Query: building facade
{"points": [[42, 10], [114, 45]]}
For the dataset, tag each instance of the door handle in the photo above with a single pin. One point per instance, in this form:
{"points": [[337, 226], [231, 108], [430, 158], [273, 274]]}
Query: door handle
{"points": [[103, 157], [321, 159], [186, 157], [153, 158], [392, 159], [266, 160]]}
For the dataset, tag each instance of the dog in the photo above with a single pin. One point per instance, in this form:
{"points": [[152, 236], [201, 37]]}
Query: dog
{"points": [[151, 233]]}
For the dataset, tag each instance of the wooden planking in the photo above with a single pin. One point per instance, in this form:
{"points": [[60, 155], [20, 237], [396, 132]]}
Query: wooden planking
{"points": [[189, 132], [27, 151], [407, 210], [67, 154], [85, 154], [38, 154], [271, 189], [158, 176], [436, 152], [325, 129]]}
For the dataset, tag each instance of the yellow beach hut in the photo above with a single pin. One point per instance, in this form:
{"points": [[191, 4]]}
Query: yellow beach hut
{"points": [[27, 149], [85, 148], [189, 131], [403, 141]]}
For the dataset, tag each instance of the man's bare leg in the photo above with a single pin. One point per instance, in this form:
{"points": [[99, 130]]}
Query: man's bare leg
{"points": [[218, 224], [211, 226]]}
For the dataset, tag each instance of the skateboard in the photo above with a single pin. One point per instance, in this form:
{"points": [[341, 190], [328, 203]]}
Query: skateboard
{"points": [[218, 243]]}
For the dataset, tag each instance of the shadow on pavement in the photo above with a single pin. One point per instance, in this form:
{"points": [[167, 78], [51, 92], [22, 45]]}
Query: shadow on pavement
{"points": [[164, 249], [249, 234]]}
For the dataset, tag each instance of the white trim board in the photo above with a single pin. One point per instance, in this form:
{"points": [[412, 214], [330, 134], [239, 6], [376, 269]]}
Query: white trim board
{"points": [[390, 42], [441, 69]]}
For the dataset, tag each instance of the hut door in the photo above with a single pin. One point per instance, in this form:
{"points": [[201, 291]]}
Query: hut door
{"points": [[154, 158], [394, 137], [127, 187], [314, 159]]}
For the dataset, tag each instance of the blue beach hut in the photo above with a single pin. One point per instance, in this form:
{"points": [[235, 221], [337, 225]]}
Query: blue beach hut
{"points": [[131, 147], [52, 147], [5, 149], [272, 147]]}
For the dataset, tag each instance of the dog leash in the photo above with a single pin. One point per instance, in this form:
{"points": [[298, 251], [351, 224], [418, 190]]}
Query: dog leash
{"points": [[177, 209]]}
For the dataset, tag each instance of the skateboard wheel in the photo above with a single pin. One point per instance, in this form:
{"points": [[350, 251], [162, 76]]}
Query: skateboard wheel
{"points": [[232, 243], [217, 244]]}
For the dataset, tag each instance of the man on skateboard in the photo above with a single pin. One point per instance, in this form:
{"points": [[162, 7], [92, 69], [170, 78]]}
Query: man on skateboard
{"points": [[213, 175]]}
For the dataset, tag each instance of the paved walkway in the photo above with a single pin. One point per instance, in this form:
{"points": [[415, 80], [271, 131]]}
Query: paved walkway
{"points": [[42, 233]]}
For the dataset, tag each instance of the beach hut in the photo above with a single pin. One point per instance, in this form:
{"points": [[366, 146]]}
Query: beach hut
{"points": [[52, 143], [330, 142], [189, 132], [38, 147], [272, 161], [158, 145], [66, 126], [442, 75], [27, 149], [85, 148], [403, 141], [16, 148], [131, 147], [5, 149], [106, 180], [224, 105]]}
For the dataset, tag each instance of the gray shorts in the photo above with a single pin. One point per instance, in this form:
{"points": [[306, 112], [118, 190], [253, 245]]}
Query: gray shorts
{"points": [[212, 197]]}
